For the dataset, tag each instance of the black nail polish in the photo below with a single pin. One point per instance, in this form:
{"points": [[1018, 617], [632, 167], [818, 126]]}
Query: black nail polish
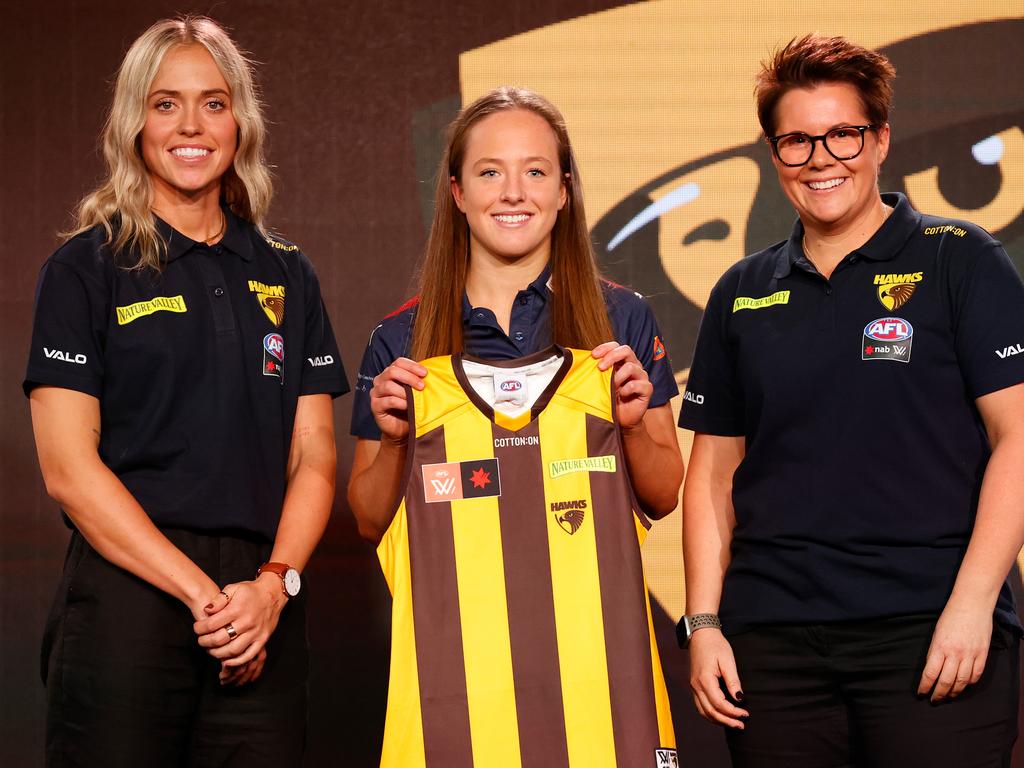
{"points": [[738, 696]]}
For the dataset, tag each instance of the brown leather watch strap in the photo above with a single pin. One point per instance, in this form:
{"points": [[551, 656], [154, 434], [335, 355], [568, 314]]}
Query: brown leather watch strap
{"points": [[278, 568]]}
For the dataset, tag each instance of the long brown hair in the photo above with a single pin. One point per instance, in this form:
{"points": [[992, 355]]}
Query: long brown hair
{"points": [[578, 314], [121, 204]]}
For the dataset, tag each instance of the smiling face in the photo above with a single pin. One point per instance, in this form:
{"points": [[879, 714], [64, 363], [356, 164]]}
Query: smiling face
{"points": [[830, 196], [511, 187], [190, 135]]}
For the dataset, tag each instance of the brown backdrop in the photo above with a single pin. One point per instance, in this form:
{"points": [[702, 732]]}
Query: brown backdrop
{"points": [[356, 92]]}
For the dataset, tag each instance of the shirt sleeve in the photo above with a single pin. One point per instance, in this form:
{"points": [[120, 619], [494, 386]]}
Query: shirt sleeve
{"points": [[68, 329], [990, 324], [642, 334], [713, 401], [322, 370]]}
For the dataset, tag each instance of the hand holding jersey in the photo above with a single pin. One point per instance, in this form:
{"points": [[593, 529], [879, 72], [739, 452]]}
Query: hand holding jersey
{"points": [[633, 388], [389, 401]]}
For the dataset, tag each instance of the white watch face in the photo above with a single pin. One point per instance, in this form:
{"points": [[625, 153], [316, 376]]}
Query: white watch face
{"points": [[292, 582]]}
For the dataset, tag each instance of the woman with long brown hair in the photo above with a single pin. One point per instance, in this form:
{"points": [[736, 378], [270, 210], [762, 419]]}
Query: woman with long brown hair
{"points": [[509, 270], [193, 459]]}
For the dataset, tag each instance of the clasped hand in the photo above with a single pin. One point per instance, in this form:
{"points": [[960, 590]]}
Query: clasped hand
{"points": [[251, 610]]}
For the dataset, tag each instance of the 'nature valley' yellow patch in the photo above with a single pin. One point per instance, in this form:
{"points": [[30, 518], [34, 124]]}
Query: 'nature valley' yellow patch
{"points": [[139, 309], [745, 302]]}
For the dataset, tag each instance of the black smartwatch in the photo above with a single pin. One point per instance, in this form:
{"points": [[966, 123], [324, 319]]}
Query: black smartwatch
{"points": [[690, 624]]}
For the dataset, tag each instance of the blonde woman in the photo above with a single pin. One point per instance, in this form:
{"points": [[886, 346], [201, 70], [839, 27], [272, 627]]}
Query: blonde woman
{"points": [[180, 379]]}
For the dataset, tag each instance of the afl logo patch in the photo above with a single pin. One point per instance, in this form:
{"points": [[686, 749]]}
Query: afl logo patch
{"points": [[888, 338], [511, 385], [273, 356]]}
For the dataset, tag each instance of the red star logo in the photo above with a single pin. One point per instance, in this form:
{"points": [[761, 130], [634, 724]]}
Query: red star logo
{"points": [[480, 478], [869, 350]]}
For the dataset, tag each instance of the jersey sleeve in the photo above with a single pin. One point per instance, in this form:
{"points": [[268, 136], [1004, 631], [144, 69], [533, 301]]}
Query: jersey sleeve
{"points": [[69, 328], [989, 329], [713, 402], [322, 370]]}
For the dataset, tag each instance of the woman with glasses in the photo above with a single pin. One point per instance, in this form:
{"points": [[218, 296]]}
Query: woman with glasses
{"points": [[852, 508]]}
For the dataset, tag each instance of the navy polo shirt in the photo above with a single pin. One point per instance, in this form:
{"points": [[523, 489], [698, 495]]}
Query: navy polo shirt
{"points": [[529, 331], [198, 369], [855, 395]]}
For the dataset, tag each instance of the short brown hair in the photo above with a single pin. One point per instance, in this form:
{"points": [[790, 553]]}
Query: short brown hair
{"points": [[812, 60]]}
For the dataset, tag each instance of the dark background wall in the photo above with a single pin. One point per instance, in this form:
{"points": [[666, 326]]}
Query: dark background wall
{"points": [[356, 93]]}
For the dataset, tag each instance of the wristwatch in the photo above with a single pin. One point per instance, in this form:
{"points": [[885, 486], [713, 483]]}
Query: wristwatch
{"points": [[291, 582], [690, 624]]}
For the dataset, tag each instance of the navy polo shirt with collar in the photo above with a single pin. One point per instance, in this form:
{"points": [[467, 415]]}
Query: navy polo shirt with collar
{"points": [[855, 396], [632, 322], [197, 368]]}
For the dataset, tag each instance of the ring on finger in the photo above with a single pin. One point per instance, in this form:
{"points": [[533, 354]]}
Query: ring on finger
{"points": [[232, 632], [226, 595]]}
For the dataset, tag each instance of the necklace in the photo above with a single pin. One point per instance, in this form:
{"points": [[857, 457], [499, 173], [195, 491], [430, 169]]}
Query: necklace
{"points": [[807, 251], [217, 235]]}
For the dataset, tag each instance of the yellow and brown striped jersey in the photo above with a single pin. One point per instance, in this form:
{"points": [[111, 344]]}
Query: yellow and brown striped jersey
{"points": [[521, 627]]}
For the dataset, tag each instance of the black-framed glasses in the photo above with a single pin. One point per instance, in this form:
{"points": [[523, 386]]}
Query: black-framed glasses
{"points": [[843, 143]]}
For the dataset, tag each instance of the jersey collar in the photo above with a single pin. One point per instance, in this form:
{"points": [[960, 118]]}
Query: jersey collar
{"points": [[884, 245]]}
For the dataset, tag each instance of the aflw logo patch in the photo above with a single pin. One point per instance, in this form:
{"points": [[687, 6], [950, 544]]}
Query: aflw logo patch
{"points": [[461, 480], [666, 758], [572, 518]]}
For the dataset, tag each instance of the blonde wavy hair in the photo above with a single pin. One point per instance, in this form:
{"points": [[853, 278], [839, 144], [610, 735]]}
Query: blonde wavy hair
{"points": [[121, 204]]}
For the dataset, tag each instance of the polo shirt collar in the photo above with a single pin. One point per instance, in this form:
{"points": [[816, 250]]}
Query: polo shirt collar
{"points": [[882, 246], [234, 239], [539, 286]]}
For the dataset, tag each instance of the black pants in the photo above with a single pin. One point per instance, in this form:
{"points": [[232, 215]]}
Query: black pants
{"points": [[127, 684], [829, 696]]}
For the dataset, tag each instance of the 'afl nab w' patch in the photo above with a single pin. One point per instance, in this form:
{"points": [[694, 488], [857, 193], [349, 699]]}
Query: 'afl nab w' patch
{"points": [[888, 338], [273, 355], [461, 480], [666, 758], [895, 290]]}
